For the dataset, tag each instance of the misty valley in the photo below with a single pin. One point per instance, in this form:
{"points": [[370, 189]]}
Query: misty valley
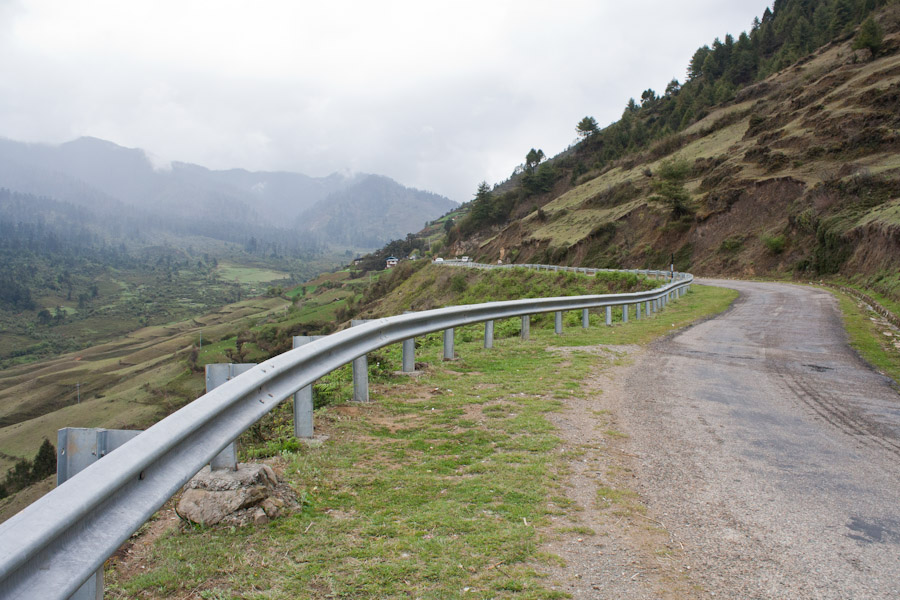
{"points": [[95, 241]]}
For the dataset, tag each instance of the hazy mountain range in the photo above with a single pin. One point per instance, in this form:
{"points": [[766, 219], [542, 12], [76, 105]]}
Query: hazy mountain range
{"points": [[358, 211]]}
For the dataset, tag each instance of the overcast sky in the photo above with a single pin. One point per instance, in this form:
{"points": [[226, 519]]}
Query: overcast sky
{"points": [[437, 95]]}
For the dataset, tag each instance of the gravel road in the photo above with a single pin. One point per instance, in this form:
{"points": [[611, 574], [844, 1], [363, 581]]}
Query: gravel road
{"points": [[770, 450]]}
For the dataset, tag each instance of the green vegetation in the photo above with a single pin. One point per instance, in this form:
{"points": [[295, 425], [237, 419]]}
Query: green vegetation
{"points": [[870, 339], [774, 243], [586, 127], [440, 488], [870, 36], [412, 287], [732, 244], [67, 284], [26, 472], [669, 186]]}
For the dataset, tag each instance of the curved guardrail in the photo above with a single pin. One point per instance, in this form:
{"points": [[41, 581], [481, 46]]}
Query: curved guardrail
{"points": [[51, 547]]}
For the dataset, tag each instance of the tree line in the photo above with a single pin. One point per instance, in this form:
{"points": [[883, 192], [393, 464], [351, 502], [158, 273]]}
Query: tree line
{"points": [[786, 32]]}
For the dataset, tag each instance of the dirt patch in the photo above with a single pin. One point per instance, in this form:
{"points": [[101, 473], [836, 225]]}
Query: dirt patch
{"points": [[133, 557], [607, 542]]}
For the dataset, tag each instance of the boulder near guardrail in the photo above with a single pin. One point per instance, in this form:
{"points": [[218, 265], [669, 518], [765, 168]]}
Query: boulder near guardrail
{"points": [[54, 545]]}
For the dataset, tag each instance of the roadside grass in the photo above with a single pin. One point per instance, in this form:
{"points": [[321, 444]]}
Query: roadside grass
{"points": [[868, 338], [442, 487]]}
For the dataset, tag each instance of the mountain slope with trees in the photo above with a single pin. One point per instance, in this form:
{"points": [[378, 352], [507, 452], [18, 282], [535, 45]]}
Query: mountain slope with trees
{"points": [[370, 212], [777, 156]]}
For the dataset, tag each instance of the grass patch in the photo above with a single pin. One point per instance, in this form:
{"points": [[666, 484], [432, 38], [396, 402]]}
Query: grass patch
{"points": [[437, 489], [624, 501], [249, 275], [868, 338]]}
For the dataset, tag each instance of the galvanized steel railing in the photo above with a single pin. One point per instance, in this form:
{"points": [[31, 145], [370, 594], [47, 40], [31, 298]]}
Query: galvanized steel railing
{"points": [[51, 547]]}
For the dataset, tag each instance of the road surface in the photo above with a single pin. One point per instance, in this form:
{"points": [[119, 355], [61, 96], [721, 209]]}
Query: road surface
{"points": [[771, 450]]}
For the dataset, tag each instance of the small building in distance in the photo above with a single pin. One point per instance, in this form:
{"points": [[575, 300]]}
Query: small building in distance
{"points": [[392, 261]]}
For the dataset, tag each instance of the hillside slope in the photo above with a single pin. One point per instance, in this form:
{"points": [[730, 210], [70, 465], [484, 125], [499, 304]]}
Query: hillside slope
{"points": [[798, 175]]}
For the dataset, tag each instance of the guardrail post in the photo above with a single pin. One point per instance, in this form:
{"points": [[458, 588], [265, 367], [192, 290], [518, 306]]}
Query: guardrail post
{"points": [[449, 352], [585, 318], [624, 313], [408, 362], [303, 399], [647, 308], [409, 356], [557, 322], [526, 327], [216, 375], [76, 448], [637, 311], [489, 334], [360, 372], [608, 316]]}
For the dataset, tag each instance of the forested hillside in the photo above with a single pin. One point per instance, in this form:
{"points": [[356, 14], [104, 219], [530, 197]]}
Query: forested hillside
{"points": [[70, 276], [367, 214], [778, 155]]}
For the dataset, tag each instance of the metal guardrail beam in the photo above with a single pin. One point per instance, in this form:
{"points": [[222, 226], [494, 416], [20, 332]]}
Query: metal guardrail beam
{"points": [[52, 546]]}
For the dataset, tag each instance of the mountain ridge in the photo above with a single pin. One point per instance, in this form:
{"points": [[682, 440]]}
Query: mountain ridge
{"points": [[102, 175]]}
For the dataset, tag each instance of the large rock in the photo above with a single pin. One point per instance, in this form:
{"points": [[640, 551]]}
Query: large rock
{"points": [[212, 497]]}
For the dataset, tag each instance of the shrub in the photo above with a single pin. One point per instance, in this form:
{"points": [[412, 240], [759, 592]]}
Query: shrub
{"points": [[732, 244], [774, 243], [458, 283]]}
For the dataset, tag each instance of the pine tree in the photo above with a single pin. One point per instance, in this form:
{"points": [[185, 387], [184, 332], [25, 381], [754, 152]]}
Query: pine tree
{"points": [[586, 127], [44, 462], [869, 36], [669, 186], [842, 16]]}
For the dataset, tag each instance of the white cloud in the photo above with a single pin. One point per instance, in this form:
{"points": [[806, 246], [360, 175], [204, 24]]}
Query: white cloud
{"points": [[437, 95]]}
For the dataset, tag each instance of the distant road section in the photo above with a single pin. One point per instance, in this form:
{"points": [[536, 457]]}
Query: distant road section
{"points": [[771, 450]]}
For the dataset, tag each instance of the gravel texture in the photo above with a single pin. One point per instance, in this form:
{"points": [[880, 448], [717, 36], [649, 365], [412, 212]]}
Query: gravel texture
{"points": [[765, 457]]}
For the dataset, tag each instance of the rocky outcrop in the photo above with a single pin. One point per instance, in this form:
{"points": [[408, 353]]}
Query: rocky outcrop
{"points": [[251, 494]]}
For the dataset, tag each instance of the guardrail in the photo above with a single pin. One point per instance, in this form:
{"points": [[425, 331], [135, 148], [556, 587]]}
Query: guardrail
{"points": [[51, 547]]}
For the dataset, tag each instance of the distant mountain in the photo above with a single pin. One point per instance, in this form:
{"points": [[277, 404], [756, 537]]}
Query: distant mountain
{"points": [[184, 197], [372, 211], [91, 172]]}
